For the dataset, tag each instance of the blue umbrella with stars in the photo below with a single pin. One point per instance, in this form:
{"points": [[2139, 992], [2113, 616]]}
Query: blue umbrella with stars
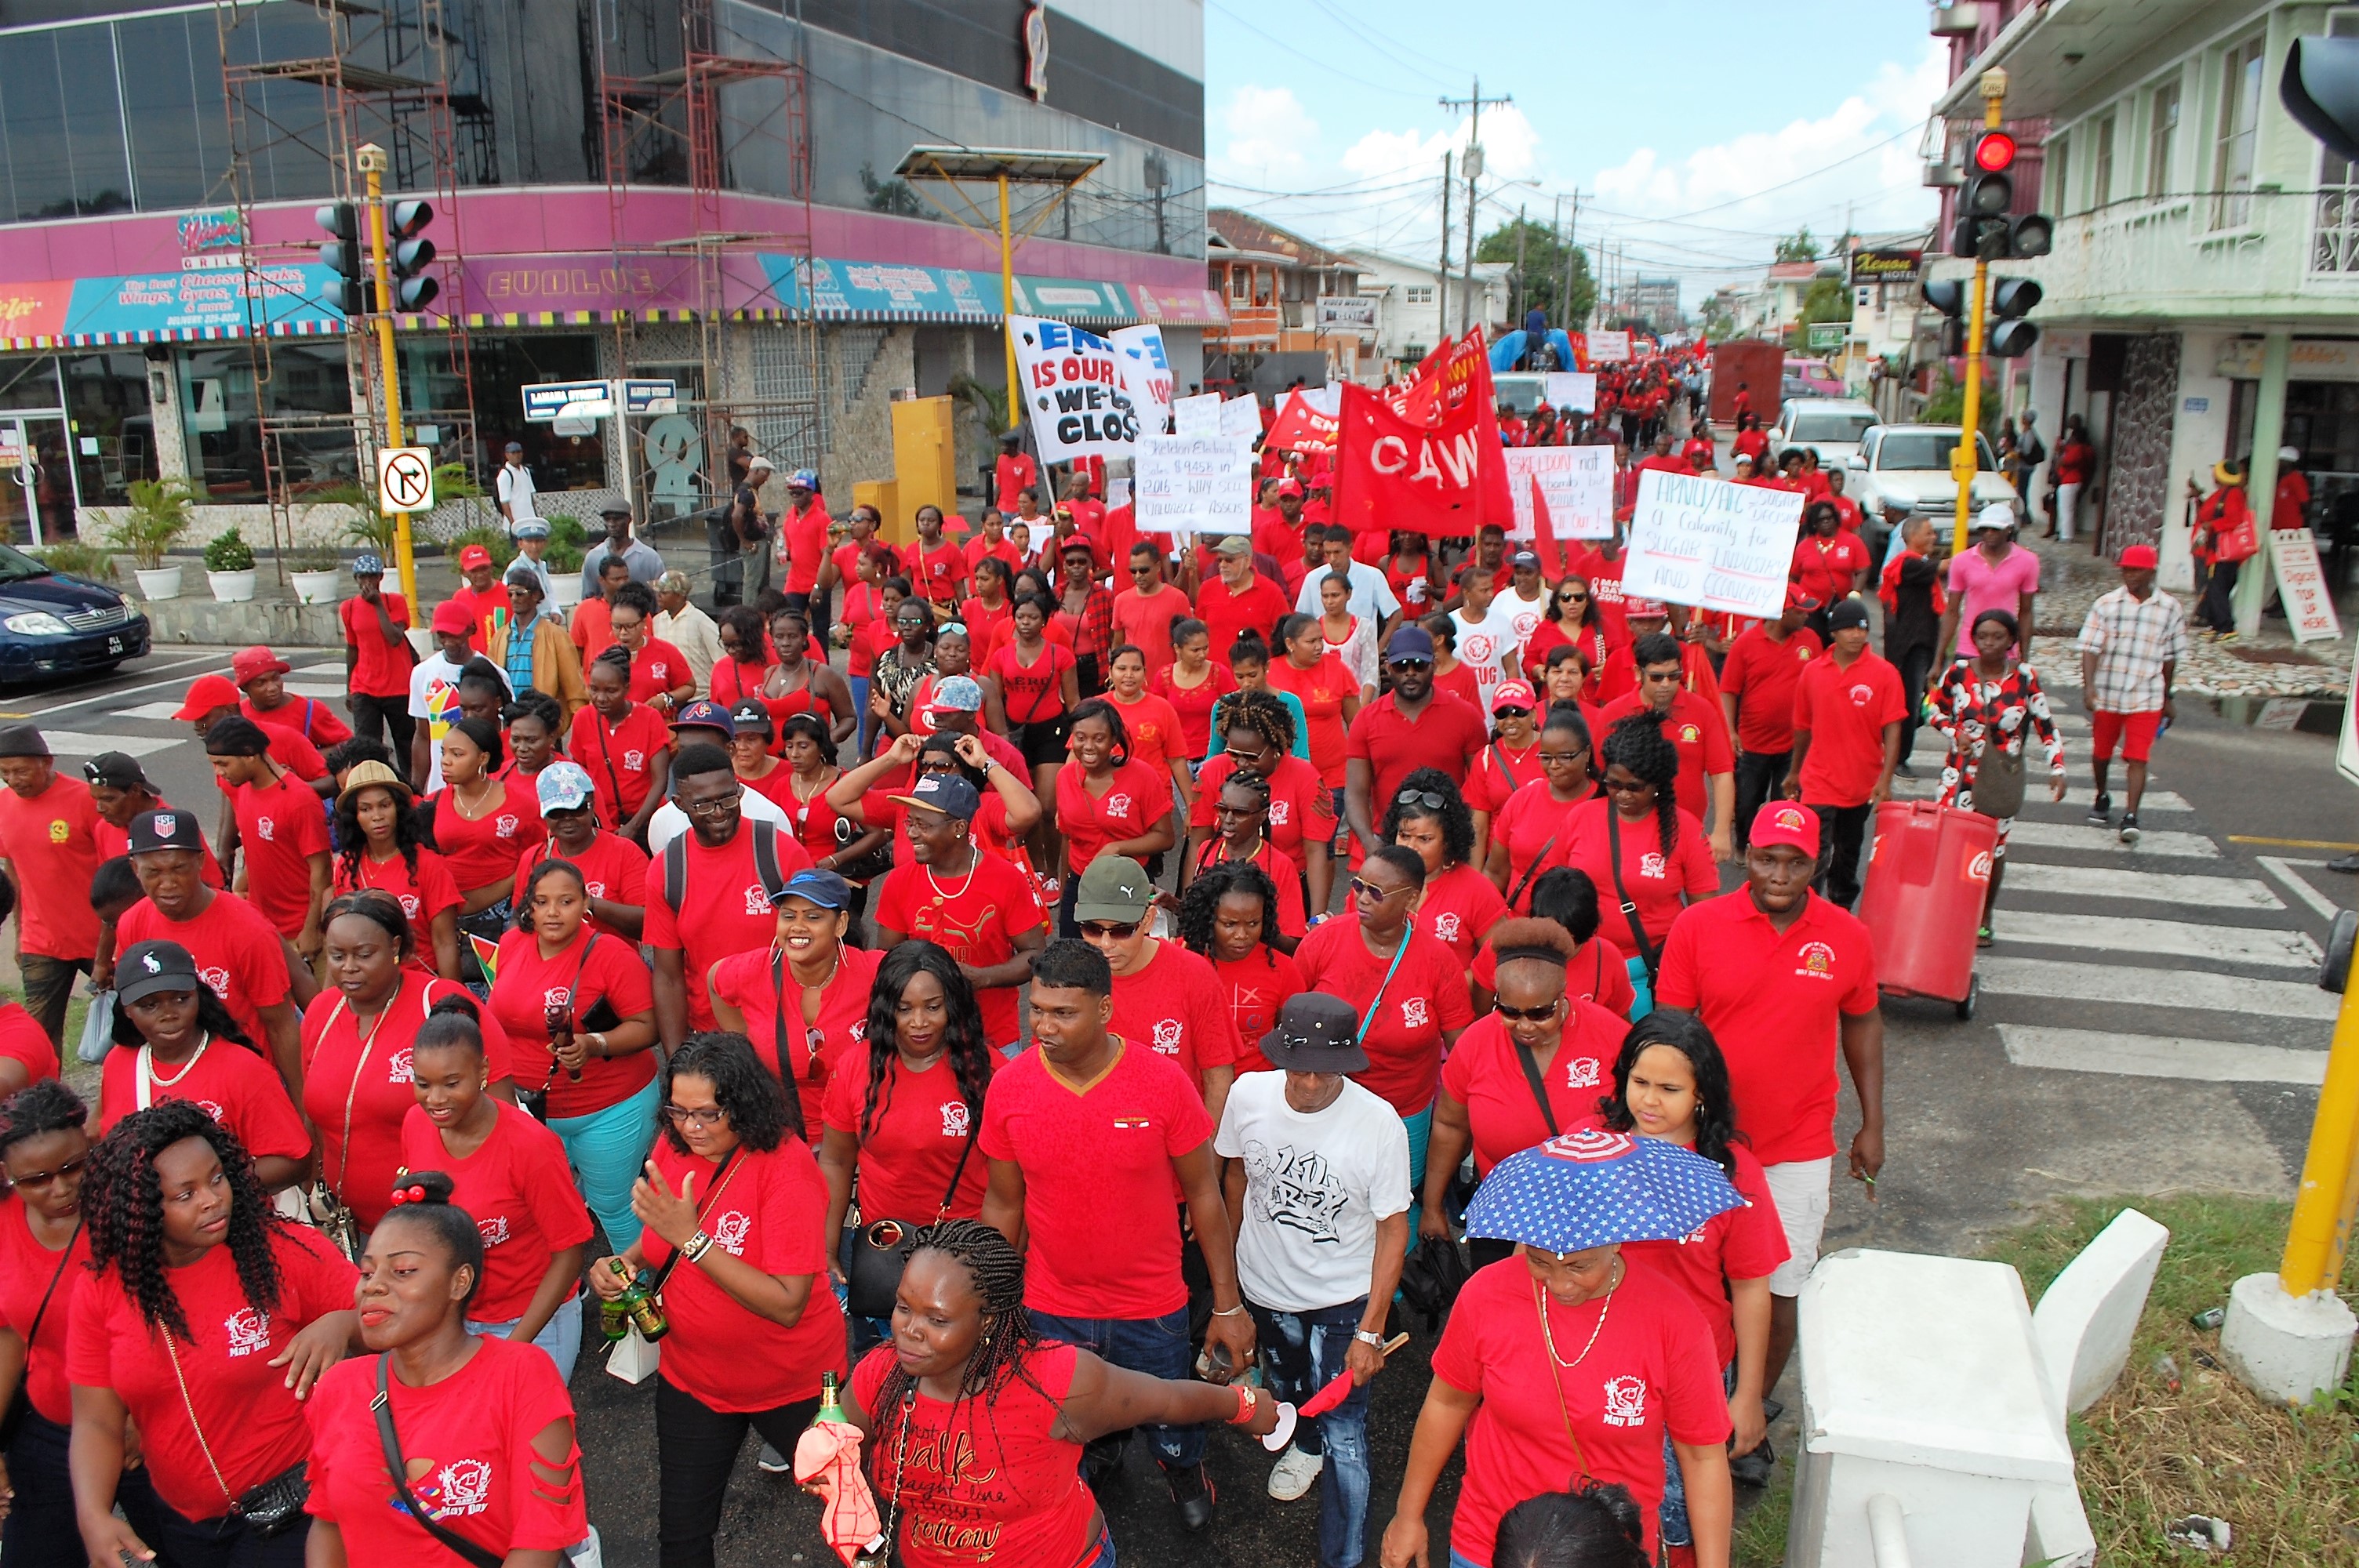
{"points": [[1595, 1188]]}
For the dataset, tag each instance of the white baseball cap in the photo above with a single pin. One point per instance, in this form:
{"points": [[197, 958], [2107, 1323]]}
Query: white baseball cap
{"points": [[1998, 514]]}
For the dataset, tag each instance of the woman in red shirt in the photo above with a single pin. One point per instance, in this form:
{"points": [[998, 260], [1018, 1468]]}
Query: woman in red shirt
{"points": [[731, 1205], [901, 1115], [613, 870], [802, 1041], [1534, 831], [623, 746], [1327, 689], [989, 609], [482, 824], [798, 683], [1598, 972], [490, 1418], [535, 733], [1230, 914], [357, 1040], [382, 844], [1106, 802], [1751, 440], [510, 1173], [587, 1053], [1573, 620], [745, 654], [1155, 731], [978, 1424], [205, 1319], [1410, 573], [1665, 863], [1260, 740], [1029, 688], [800, 790], [1509, 762], [1191, 683], [1241, 836], [1458, 905]]}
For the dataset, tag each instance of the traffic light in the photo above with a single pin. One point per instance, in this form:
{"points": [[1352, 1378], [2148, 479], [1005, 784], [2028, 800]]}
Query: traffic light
{"points": [[1949, 296], [345, 254], [2320, 90], [408, 254], [1984, 231], [2010, 336]]}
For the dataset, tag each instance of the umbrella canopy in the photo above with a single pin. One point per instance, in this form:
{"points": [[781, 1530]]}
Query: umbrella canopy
{"points": [[1594, 1187]]}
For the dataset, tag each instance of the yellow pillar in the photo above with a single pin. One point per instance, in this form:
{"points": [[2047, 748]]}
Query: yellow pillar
{"points": [[1007, 308], [2316, 1239], [371, 161]]}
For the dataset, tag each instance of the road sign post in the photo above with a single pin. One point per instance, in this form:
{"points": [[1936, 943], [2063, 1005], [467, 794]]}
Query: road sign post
{"points": [[405, 479]]}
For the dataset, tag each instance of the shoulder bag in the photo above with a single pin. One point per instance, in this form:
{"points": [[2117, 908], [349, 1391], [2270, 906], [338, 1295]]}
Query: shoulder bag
{"points": [[268, 1509], [1539, 1089], [398, 1469], [14, 1418], [1998, 777], [881, 1252], [1649, 954]]}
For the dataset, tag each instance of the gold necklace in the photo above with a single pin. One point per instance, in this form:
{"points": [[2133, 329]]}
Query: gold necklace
{"points": [[1548, 1335]]}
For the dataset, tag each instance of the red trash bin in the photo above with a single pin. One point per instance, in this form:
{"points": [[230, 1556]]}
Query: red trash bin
{"points": [[1923, 901]]}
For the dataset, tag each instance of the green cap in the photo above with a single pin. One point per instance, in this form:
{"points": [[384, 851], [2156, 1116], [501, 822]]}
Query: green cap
{"points": [[1114, 887]]}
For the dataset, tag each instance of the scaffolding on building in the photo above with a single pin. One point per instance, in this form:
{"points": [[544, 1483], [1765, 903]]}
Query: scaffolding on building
{"points": [[381, 75]]}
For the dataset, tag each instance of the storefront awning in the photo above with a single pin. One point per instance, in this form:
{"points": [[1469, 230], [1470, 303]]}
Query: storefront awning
{"points": [[194, 305]]}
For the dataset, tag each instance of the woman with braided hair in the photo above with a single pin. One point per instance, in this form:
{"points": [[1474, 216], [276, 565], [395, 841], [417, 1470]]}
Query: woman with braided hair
{"points": [[896, 1123], [384, 841], [1259, 734], [1241, 835], [966, 1389], [1230, 915], [623, 746], [1648, 857], [206, 1318]]}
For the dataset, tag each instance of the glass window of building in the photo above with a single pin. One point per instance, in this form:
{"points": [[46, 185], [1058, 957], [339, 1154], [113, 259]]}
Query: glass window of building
{"points": [[309, 399], [501, 366], [113, 427]]}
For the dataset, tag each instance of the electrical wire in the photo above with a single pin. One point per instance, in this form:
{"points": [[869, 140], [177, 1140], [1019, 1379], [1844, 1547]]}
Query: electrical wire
{"points": [[1313, 59]]}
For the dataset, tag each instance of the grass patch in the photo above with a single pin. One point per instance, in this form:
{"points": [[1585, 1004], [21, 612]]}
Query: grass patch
{"points": [[1760, 1538]]}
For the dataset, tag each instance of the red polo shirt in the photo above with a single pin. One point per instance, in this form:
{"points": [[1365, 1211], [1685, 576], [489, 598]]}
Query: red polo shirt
{"points": [[1225, 613], [1845, 711], [1698, 728], [1774, 1001], [1761, 675], [1450, 734]]}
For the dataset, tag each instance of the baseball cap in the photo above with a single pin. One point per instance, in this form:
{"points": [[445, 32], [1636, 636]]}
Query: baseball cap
{"points": [[521, 575], [1289, 487], [115, 770], [256, 662], [705, 715], [1115, 887], [1077, 541], [563, 786], [1525, 558], [146, 967], [451, 617], [474, 555], [957, 693], [812, 885], [748, 716], [1850, 612], [165, 829], [1998, 514], [1783, 822], [2139, 557], [1509, 694], [2288, 454], [1796, 599], [365, 774], [1316, 1033], [1644, 610], [22, 741], [1409, 643], [514, 447], [803, 479], [368, 565], [947, 793], [210, 694], [1233, 546], [759, 461], [530, 528]]}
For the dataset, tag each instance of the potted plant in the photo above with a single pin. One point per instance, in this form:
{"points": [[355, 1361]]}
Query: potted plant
{"points": [[314, 572], [568, 541], [88, 563], [152, 523], [229, 566]]}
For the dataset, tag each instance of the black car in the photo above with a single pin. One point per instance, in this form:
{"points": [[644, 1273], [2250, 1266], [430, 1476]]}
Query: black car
{"points": [[52, 625]]}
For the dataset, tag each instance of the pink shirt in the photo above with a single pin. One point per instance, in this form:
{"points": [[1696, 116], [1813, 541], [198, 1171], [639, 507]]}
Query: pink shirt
{"points": [[1982, 586]]}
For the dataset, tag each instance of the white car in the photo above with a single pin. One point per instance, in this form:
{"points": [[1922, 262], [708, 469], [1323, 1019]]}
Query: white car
{"points": [[1831, 427], [1902, 471]]}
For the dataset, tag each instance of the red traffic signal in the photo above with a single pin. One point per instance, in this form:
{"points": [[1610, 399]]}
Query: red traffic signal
{"points": [[1995, 152]]}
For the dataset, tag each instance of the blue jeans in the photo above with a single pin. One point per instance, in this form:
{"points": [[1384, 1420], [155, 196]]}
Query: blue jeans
{"points": [[607, 1149], [560, 1335], [1676, 1529], [1301, 1353], [1156, 1346], [859, 685]]}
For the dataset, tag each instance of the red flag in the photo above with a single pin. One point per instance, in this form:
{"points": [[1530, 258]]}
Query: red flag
{"points": [[1552, 554], [1393, 473], [1300, 428]]}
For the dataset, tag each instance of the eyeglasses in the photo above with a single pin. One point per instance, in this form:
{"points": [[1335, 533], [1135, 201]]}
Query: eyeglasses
{"points": [[703, 1115], [619, 624], [1370, 892], [1572, 756], [1630, 786], [1511, 713], [1112, 930], [715, 809], [43, 1178], [1430, 798], [1248, 759], [1529, 1015], [1223, 808]]}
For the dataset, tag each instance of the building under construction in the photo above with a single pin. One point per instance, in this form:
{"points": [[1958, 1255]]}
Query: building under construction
{"points": [[698, 191]]}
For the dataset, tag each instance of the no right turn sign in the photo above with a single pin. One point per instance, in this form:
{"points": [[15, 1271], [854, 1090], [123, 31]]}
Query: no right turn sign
{"points": [[405, 479]]}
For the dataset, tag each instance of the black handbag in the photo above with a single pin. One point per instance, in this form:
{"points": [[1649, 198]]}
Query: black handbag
{"points": [[881, 1249], [267, 1508], [398, 1469]]}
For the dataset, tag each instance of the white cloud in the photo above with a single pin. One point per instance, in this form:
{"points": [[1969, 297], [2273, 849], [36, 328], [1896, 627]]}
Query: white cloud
{"points": [[1271, 138]]}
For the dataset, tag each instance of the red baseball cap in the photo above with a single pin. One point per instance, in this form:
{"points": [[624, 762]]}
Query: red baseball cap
{"points": [[453, 616], [256, 662], [1645, 609], [1289, 487], [1796, 599], [1783, 822], [474, 555], [2139, 557], [208, 694], [1513, 694]]}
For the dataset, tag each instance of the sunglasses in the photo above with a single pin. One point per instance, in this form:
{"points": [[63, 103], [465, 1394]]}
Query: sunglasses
{"points": [[1370, 892], [1409, 664], [43, 1178], [1572, 756], [1112, 930], [1429, 798], [1633, 787], [1572, 598], [1511, 713], [1527, 1014]]}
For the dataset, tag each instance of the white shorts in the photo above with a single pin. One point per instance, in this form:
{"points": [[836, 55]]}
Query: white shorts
{"points": [[1802, 1191]]}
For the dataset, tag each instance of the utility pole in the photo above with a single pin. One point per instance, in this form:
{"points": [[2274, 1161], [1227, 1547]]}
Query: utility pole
{"points": [[1441, 279], [1473, 171], [1515, 298], [373, 162], [1571, 240]]}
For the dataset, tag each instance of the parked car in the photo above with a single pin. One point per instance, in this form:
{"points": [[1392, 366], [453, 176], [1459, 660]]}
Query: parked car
{"points": [[1902, 471], [1829, 427], [1520, 390], [53, 625]]}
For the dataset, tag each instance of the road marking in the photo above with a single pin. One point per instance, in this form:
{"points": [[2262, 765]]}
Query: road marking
{"points": [[2295, 843], [213, 658], [2054, 981], [1926, 788], [2298, 885], [77, 743], [2151, 887], [325, 691], [2160, 938], [2160, 1057], [151, 710], [2081, 836]]}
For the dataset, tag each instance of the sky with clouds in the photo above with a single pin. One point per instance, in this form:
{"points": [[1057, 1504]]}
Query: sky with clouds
{"points": [[1696, 132]]}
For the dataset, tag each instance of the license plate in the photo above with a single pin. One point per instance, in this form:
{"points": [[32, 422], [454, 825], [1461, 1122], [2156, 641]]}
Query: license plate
{"points": [[114, 645]]}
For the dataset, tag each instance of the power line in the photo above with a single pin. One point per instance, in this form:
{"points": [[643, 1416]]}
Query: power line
{"points": [[1312, 59], [1358, 28]]}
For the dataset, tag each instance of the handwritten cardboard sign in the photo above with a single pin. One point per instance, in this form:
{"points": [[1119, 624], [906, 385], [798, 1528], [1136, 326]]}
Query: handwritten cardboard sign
{"points": [[1710, 544]]}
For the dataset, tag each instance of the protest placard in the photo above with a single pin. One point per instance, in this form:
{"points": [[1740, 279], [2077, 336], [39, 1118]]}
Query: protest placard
{"points": [[1196, 415], [1194, 484], [1605, 348], [1712, 545], [1072, 390], [1146, 375], [1571, 389], [1241, 415], [2301, 585], [1577, 483]]}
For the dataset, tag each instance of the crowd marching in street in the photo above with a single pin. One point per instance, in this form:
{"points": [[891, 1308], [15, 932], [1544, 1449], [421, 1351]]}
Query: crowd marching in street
{"points": [[1196, 948]]}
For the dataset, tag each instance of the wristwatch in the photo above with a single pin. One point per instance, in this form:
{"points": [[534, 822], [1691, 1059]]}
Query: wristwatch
{"points": [[1365, 1337]]}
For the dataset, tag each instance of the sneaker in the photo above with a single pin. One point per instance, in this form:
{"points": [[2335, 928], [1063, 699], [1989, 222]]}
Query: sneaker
{"points": [[2347, 864], [773, 1462], [1295, 1474], [1902, 771], [1192, 1493], [2100, 811], [2129, 827]]}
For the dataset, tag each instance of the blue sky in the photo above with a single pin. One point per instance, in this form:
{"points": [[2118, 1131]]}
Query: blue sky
{"points": [[1696, 131]]}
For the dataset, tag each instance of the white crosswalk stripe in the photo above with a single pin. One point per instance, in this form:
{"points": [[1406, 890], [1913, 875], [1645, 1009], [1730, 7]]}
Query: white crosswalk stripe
{"points": [[2167, 988], [1927, 785], [2160, 939], [2160, 1057], [2152, 887], [81, 744], [2152, 843]]}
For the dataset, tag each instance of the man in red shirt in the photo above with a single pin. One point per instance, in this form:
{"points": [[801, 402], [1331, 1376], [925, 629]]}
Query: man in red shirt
{"points": [[486, 597], [286, 872], [1847, 712], [1164, 996], [1239, 598], [377, 659], [1661, 461], [1844, 505], [980, 908], [1693, 724], [1781, 976], [1618, 676], [1015, 473], [1757, 696], [802, 538], [260, 675], [1143, 613], [1410, 727], [48, 842], [1088, 1133]]}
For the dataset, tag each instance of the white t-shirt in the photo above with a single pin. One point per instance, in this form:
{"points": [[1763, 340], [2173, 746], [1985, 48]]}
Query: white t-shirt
{"points": [[1526, 613], [516, 493], [1372, 595], [1482, 643], [669, 821], [1315, 1187], [434, 697]]}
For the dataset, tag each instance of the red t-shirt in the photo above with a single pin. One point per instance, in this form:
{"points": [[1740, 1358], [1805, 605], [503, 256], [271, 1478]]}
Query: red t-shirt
{"points": [[1845, 711], [366, 1081], [1425, 997], [519, 1190], [816, 1051], [979, 546], [251, 1420], [114, 841], [527, 985], [723, 909], [1300, 805], [474, 1433], [1322, 688], [281, 826], [1776, 1002], [423, 896], [27, 1273], [481, 851], [1035, 692], [1107, 1246], [983, 622], [1282, 871], [1225, 613], [1485, 1074], [659, 666], [1458, 908], [22, 1039], [614, 868], [1828, 570], [935, 573], [1746, 1243], [990, 1483], [1698, 728], [52, 840], [1537, 829], [976, 916], [920, 1125], [1605, 579], [1599, 973], [1193, 704], [1175, 1006], [617, 757], [803, 536], [1654, 881], [1135, 799], [1649, 1368], [1258, 984], [379, 668], [1761, 673], [1449, 734], [1145, 620], [768, 1210], [238, 955], [1499, 772], [1155, 731]]}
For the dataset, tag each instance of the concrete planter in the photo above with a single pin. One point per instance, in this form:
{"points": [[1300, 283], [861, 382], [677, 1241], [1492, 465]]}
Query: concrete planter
{"points": [[163, 582], [315, 588], [232, 588], [569, 591]]}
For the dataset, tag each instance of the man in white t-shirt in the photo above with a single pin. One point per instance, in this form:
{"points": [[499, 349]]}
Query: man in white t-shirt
{"points": [[1372, 596], [434, 690], [1527, 599], [1318, 1178], [515, 489], [1485, 632]]}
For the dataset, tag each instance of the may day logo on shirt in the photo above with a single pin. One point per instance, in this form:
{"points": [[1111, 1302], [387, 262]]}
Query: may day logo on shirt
{"points": [[1690, 735], [1279, 812], [248, 1327], [1626, 1402], [731, 1230], [1860, 694], [217, 982], [59, 831], [397, 1067], [1445, 926], [1818, 961], [1413, 1014], [756, 901], [409, 904], [494, 1230], [1168, 1031], [556, 996], [956, 1119], [503, 826], [1582, 1072], [1117, 805], [634, 761], [1651, 864], [460, 1487], [267, 828]]}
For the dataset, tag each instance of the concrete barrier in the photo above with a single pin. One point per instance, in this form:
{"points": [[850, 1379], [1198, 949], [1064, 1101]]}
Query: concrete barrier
{"points": [[2086, 1316]]}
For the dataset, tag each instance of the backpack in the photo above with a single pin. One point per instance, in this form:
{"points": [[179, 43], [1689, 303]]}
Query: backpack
{"points": [[675, 863]]}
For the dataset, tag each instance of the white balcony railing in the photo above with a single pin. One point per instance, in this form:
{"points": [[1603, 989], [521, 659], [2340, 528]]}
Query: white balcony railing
{"points": [[2176, 258]]}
